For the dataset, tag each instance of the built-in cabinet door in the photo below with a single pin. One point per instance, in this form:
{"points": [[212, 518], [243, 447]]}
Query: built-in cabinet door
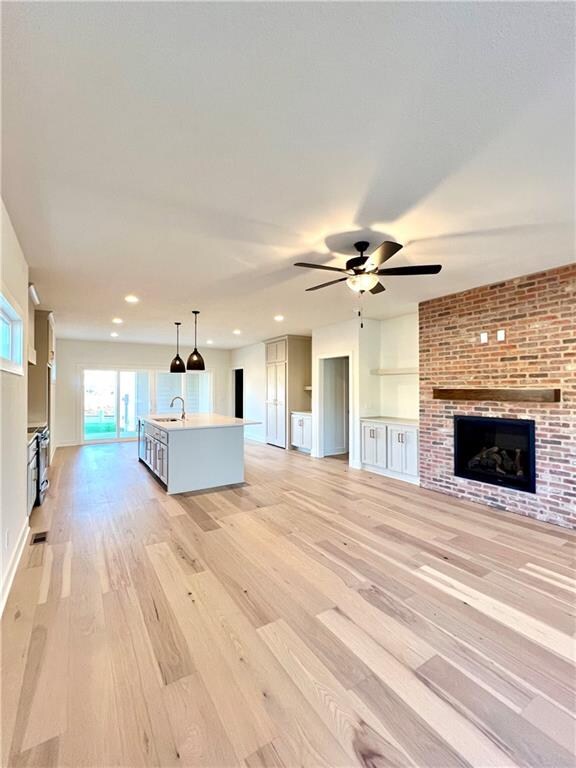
{"points": [[162, 462], [411, 451], [296, 430], [276, 351], [381, 447], [276, 404], [368, 444], [395, 449], [403, 450], [374, 448], [307, 433]]}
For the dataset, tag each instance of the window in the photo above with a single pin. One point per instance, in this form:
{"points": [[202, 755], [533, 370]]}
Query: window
{"points": [[11, 337], [195, 388]]}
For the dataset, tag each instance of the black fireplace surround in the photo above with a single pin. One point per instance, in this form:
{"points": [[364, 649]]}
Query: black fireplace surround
{"points": [[497, 451]]}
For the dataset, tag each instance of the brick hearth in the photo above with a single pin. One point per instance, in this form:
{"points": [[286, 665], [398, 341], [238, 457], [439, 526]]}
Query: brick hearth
{"points": [[538, 313]]}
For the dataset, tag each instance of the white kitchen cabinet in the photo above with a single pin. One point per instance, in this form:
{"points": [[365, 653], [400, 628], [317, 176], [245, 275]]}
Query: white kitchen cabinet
{"points": [[288, 372], [301, 431], [390, 447], [276, 404], [153, 450], [276, 351]]}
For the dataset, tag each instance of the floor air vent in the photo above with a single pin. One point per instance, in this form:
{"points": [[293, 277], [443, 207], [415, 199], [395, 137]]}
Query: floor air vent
{"points": [[38, 538]]}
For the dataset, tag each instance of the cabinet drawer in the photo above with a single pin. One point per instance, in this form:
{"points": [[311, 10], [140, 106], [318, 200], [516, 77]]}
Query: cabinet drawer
{"points": [[160, 435]]}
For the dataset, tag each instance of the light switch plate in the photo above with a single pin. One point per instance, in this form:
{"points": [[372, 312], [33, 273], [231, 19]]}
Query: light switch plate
{"points": [[500, 334], [484, 337]]}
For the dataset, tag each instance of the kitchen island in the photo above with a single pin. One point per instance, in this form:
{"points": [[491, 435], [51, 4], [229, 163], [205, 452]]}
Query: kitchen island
{"points": [[203, 450]]}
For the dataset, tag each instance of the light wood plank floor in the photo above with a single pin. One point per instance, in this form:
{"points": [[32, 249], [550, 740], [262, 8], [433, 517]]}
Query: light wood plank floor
{"points": [[317, 616]]}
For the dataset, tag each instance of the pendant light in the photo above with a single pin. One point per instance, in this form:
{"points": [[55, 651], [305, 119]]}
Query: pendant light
{"points": [[177, 365], [195, 359]]}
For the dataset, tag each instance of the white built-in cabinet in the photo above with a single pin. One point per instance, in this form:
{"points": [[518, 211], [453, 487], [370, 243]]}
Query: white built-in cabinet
{"points": [[390, 447], [374, 444], [288, 373], [301, 431], [153, 449], [276, 404]]}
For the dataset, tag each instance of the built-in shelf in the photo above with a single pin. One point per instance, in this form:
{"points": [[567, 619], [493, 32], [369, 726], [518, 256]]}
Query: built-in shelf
{"points": [[500, 395], [393, 371], [308, 388]]}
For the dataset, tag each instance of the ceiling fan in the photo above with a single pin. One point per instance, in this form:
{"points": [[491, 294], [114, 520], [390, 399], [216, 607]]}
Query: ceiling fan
{"points": [[362, 271]]}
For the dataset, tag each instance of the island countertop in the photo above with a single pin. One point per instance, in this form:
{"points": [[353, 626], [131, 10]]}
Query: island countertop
{"points": [[195, 421]]}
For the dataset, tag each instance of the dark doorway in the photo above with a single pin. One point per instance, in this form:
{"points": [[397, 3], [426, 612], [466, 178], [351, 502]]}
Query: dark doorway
{"points": [[239, 393]]}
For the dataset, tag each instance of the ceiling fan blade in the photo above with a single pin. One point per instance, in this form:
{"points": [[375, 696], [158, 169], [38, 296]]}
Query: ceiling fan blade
{"points": [[384, 252], [331, 282], [425, 269], [378, 288], [318, 266]]}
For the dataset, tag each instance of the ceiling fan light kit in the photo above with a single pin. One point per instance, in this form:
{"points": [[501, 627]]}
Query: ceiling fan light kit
{"points": [[361, 283], [362, 272]]}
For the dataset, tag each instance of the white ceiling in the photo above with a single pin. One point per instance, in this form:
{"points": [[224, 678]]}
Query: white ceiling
{"points": [[190, 152]]}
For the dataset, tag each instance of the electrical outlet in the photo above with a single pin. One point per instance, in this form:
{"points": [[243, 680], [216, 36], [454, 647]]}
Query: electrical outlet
{"points": [[500, 334], [484, 337]]}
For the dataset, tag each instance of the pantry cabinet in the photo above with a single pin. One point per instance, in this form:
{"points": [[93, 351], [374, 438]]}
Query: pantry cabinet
{"points": [[288, 373]]}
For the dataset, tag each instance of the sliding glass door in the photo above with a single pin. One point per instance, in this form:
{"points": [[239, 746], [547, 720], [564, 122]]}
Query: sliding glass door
{"points": [[100, 407], [113, 402]]}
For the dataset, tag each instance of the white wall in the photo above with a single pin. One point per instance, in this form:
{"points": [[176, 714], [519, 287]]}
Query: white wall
{"points": [[252, 360], [399, 395], [13, 417], [72, 356]]}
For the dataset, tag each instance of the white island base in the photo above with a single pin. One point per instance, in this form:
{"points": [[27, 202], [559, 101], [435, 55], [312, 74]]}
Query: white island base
{"points": [[200, 452]]}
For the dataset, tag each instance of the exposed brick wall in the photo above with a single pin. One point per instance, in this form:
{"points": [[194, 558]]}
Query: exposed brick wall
{"points": [[538, 313]]}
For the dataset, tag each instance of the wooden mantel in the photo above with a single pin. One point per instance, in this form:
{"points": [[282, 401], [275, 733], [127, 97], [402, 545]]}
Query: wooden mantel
{"points": [[500, 395]]}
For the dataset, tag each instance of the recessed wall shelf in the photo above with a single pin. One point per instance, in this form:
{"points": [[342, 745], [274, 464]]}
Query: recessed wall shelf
{"points": [[500, 395], [393, 371]]}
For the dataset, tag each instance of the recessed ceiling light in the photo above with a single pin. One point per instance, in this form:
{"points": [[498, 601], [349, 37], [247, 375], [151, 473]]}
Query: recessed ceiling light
{"points": [[278, 318], [114, 334], [117, 320], [236, 331], [209, 341], [131, 299]]}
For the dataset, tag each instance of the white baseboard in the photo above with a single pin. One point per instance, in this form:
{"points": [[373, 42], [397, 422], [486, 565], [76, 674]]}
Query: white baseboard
{"points": [[392, 475], [11, 572]]}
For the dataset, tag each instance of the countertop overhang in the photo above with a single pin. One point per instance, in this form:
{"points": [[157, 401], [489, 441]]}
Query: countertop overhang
{"points": [[196, 421]]}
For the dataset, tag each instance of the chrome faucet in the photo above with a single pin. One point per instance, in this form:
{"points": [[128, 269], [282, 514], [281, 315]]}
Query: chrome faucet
{"points": [[172, 405]]}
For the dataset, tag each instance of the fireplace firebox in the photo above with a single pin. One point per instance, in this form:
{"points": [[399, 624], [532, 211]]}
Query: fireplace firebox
{"points": [[497, 451]]}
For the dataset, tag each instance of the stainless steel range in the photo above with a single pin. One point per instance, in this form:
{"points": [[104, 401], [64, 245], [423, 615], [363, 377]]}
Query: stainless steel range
{"points": [[43, 462]]}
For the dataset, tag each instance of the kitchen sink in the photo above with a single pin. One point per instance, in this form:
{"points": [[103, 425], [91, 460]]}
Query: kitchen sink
{"points": [[168, 419]]}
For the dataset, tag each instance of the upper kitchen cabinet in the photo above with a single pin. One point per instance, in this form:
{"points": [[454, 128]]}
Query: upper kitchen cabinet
{"points": [[41, 375], [288, 372]]}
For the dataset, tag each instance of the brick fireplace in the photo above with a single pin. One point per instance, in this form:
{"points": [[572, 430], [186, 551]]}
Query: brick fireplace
{"points": [[538, 316]]}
